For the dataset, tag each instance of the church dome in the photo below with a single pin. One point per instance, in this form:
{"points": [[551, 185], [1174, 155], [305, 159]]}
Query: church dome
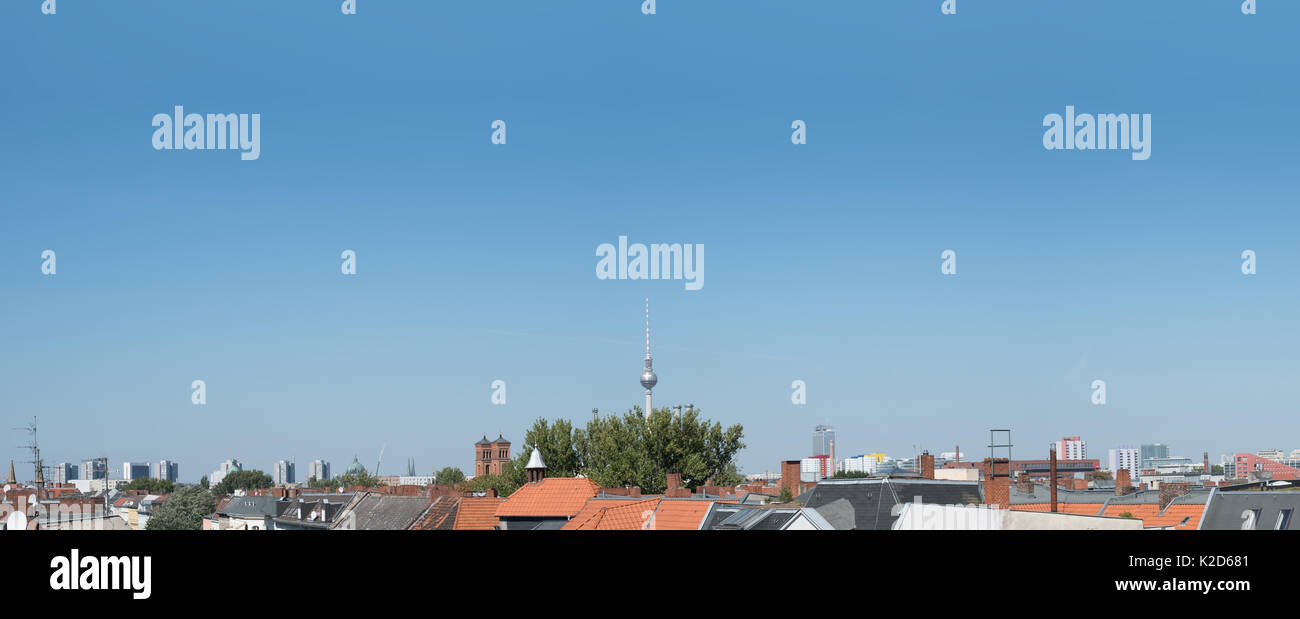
{"points": [[355, 468]]}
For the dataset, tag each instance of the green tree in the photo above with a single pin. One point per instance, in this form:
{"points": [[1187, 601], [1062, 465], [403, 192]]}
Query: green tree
{"points": [[633, 450], [1216, 469], [150, 485], [203, 481], [850, 474], [785, 496], [449, 475], [183, 510], [242, 480], [349, 480]]}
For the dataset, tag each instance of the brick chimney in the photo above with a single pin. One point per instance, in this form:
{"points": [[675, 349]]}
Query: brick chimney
{"points": [[997, 482], [1123, 485], [1170, 490], [674, 481], [1206, 455], [790, 475], [927, 465], [1024, 484], [1052, 472]]}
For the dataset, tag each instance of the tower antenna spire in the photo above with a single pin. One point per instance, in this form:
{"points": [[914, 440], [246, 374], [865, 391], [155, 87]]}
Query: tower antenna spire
{"points": [[648, 377]]}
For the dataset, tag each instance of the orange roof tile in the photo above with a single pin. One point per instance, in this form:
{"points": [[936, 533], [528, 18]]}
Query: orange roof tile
{"points": [[680, 515], [552, 496], [1175, 515], [477, 513], [614, 514], [1079, 509]]}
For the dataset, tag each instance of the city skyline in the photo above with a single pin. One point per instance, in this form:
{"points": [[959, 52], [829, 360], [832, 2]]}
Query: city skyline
{"points": [[476, 262]]}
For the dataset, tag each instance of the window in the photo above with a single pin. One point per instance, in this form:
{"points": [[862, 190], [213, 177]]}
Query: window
{"points": [[1283, 520]]}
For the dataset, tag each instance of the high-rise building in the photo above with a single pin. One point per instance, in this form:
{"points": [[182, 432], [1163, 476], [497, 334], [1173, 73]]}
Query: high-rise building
{"points": [[65, 473], [283, 473], [823, 437], [1154, 450], [1072, 448], [224, 469], [166, 469], [134, 470], [320, 469], [648, 377], [96, 468], [1127, 458]]}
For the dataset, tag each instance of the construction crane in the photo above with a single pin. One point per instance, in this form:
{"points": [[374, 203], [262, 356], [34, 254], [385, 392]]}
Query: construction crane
{"points": [[381, 458]]}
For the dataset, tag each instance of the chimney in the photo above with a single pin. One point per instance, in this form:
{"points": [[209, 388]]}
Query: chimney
{"points": [[832, 459], [1052, 472], [1170, 490], [634, 491], [790, 475], [927, 465], [674, 481], [1122, 482], [997, 482], [1206, 455], [957, 455], [1024, 484]]}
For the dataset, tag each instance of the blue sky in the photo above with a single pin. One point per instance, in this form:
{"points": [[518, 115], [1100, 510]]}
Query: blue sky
{"points": [[476, 262]]}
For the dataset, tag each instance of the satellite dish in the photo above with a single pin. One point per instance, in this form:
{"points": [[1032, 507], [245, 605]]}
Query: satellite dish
{"points": [[17, 521]]}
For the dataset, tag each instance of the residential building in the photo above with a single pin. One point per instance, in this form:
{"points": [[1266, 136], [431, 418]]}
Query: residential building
{"points": [[1247, 465], [815, 468], [1128, 458], [1275, 455], [1072, 448]]}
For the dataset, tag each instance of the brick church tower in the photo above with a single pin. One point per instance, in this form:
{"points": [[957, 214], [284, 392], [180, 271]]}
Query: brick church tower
{"points": [[490, 457]]}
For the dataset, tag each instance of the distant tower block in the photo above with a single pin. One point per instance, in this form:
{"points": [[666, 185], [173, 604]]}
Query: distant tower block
{"points": [[648, 378]]}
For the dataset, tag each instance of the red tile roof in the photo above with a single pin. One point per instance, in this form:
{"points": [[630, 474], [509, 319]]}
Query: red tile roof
{"points": [[477, 513], [681, 515], [552, 496], [614, 514]]}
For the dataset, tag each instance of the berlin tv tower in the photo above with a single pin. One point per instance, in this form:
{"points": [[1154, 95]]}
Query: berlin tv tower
{"points": [[648, 378]]}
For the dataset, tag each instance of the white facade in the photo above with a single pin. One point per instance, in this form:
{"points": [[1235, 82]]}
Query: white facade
{"points": [[1275, 455], [1126, 458], [225, 468], [1072, 448], [861, 464]]}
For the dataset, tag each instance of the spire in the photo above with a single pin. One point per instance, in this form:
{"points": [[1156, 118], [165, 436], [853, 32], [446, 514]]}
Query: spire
{"points": [[536, 468], [11, 479], [647, 327]]}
